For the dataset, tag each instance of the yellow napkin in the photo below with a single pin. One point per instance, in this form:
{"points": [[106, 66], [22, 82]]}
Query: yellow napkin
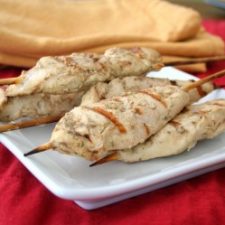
{"points": [[190, 68], [32, 29], [193, 68]]}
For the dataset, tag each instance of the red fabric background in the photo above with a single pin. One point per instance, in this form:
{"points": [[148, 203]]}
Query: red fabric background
{"points": [[23, 200]]}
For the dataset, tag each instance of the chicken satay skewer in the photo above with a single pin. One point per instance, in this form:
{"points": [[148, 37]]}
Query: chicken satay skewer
{"points": [[15, 80], [116, 87], [195, 124], [186, 89], [113, 156], [79, 71]]}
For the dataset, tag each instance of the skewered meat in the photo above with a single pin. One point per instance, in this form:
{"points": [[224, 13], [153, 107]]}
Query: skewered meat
{"points": [[117, 123], [87, 130], [78, 71], [36, 105], [119, 86], [199, 122]]}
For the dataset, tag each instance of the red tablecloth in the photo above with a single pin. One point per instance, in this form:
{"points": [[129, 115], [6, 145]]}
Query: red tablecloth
{"points": [[23, 200]]}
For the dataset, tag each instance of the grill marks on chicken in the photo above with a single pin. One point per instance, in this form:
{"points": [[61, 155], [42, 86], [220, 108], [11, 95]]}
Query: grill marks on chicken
{"points": [[111, 117], [119, 86], [78, 71], [93, 135], [198, 122], [73, 128], [156, 96], [62, 78], [42, 104]]}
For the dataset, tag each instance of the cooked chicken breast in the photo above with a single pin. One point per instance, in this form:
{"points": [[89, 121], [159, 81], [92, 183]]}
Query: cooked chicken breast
{"points": [[199, 122], [36, 105], [79, 71], [117, 123], [119, 86]]}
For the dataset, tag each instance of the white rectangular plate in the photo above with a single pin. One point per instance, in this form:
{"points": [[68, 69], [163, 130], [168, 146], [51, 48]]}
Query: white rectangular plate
{"points": [[71, 177]]}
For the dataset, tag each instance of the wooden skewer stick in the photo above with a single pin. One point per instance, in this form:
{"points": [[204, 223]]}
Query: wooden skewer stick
{"points": [[11, 80], [200, 82], [30, 123], [40, 148], [194, 60], [110, 157], [113, 156]]}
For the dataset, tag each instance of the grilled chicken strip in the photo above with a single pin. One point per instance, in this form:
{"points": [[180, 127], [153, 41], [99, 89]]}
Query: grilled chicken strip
{"points": [[119, 86], [78, 71], [117, 123], [199, 122], [36, 105]]}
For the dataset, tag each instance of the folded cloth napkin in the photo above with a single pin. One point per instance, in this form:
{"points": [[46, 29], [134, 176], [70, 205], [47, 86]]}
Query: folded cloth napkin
{"points": [[32, 29]]}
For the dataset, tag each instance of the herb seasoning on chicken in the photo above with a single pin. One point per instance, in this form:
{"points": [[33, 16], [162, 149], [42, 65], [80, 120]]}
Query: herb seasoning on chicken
{"points": [[79, 71], [118, 123], [204, 121]]}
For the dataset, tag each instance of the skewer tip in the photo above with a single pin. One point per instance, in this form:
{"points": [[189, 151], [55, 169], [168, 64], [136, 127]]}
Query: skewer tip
{"points": [[34, 151], [39, 149], [105, 159]]}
